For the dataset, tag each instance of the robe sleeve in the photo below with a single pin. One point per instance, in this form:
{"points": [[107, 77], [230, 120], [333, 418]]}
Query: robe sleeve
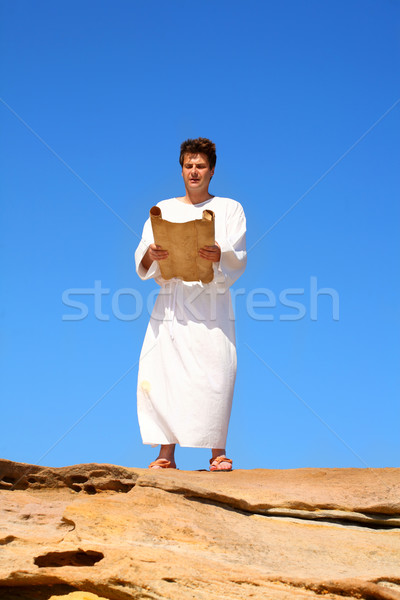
{"points": [[233, 247], [147, 239]]}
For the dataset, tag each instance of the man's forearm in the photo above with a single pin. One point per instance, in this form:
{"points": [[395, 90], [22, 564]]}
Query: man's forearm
{"points": [[146, 260]]}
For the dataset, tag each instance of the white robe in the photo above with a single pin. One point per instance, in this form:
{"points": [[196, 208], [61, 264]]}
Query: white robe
{"points": [[187, 365]]}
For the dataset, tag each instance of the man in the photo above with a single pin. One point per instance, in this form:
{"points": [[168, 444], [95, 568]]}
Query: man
{"points": [[187, 365]]}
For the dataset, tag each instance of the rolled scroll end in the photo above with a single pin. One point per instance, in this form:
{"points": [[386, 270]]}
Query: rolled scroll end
{"points": [[155, 212], [208, 215]]}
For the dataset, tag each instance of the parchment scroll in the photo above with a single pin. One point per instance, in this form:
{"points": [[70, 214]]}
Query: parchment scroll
{"points": [[183, 241]]}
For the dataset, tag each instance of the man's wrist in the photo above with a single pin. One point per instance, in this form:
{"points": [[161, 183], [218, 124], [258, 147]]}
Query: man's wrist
{"points": [[146, 260]]}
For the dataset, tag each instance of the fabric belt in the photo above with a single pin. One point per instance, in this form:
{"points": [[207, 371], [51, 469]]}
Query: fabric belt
{"points": [[176, 284], [172, 305]]}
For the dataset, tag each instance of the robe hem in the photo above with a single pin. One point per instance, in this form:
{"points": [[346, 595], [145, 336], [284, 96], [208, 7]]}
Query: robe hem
{"points": [[153, 444]]}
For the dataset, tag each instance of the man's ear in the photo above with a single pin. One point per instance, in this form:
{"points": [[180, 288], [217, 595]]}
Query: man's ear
{"points": [[212, 172]]}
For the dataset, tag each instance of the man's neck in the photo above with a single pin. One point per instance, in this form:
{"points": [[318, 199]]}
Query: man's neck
{"points": [[193, 197]]}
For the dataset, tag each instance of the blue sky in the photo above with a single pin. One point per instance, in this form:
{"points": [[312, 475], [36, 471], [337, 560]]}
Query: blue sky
{"points": [[302, 101]]}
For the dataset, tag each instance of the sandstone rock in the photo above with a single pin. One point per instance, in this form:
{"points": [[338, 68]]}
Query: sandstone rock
{"points": [[122, 533]]}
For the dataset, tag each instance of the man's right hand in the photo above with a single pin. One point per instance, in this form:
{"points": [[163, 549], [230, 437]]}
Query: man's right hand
{"points": [[154, 252]]}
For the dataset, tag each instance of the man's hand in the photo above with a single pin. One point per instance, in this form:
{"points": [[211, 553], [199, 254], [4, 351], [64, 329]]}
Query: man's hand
{"points": [[212, 253], [154, 252]]}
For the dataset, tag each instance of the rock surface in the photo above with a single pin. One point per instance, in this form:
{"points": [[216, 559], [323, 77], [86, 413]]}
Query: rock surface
{"points": [[90, 532]]}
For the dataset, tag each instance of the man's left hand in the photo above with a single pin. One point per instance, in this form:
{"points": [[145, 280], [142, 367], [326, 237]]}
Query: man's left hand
{"points": [[212, 253]]}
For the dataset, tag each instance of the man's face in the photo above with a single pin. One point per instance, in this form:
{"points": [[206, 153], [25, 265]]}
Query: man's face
{"points": [[196, 172]]}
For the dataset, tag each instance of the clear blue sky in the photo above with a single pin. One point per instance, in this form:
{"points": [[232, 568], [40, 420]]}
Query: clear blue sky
{"points": [[96, 98]]}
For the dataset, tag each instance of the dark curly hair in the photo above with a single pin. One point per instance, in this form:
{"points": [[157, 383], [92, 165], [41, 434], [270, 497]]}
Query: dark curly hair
{"points": [[199, 146]]}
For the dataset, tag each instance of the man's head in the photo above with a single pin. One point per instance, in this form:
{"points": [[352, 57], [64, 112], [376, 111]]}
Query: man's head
{"points": [[198, 160], [199, 146]]}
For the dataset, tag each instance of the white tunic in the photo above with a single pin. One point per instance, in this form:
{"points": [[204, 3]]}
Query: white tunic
{"points": [[187, 365]]}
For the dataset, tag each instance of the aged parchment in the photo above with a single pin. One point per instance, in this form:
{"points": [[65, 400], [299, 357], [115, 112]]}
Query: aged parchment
{"points": [[183, 241]]}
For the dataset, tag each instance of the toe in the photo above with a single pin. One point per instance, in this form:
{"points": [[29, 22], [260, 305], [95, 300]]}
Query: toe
{"points": [[221, 466], [224, 466]]}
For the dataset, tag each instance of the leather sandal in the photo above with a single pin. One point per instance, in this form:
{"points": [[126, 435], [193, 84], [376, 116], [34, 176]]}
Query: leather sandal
{"points": [[214, 462], [161, 463]]}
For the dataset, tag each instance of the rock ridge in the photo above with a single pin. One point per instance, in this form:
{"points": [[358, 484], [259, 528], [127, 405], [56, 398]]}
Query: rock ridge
{"points": [[118, 533]]}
